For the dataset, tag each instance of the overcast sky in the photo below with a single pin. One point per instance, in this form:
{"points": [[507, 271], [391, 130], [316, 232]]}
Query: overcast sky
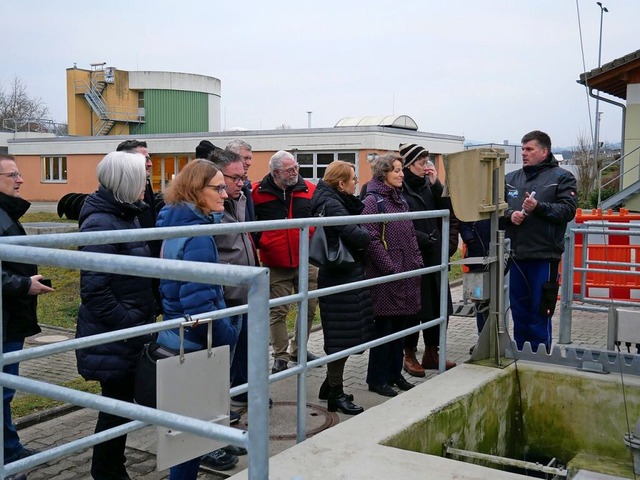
{"points": [[489, 70]]}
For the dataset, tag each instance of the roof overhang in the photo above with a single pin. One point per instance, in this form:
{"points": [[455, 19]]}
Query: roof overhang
{"points": [[613, 77]]}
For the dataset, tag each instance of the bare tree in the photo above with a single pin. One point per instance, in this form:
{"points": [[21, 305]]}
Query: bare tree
{"points": [[283, 126], [21, 112], [586, 167]]}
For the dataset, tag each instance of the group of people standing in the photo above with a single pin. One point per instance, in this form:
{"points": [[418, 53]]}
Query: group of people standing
{"points": [[215, 188], [400, 183]]}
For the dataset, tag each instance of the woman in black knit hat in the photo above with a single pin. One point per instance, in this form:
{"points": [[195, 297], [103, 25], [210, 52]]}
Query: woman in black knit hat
{"points": [[423, 191]]}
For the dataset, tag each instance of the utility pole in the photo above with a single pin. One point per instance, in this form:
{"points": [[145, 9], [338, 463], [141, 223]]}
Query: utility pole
{"points": [[596, 142]]}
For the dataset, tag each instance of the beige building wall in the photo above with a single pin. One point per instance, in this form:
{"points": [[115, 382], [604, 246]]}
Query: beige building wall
{"points": [[631, 163]]}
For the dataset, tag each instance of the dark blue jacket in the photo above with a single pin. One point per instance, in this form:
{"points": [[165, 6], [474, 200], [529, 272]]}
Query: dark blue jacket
{"points": [[477, 237], [19, 316], [541, 235], [112, 301], [190, 298]]}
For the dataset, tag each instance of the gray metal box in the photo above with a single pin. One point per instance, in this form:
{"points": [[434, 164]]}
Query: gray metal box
{"points": [[476, 286]]}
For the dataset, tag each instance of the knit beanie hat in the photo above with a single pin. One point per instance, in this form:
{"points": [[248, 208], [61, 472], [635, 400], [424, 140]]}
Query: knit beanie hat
{"points": [[411, 152], [204, 148]]}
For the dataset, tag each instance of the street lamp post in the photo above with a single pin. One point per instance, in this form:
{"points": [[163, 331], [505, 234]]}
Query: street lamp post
{"points": [[596, 143]]}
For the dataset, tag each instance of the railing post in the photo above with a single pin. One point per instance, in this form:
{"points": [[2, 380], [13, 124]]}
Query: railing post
{"points": [[258, 378], [566, 288]]}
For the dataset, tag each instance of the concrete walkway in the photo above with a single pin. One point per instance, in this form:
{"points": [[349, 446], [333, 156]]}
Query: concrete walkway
{"points": [[42, 432]]}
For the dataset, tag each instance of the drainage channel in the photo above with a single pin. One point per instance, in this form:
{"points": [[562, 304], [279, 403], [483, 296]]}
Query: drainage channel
{"points": [[559, 473]]}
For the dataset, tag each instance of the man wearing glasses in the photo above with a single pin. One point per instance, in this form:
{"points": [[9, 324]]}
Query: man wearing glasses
{"points": [[282, 194], [21, 285], [148, 217], [243, 149], [236, 249]]}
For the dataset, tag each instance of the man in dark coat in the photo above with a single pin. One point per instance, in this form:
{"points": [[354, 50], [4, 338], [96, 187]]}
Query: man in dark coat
{"points": [[21, 285], [542, 200]]}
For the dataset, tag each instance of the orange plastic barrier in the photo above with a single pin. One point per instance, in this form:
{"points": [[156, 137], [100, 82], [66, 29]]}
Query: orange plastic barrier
{"points": [[609, 248]]}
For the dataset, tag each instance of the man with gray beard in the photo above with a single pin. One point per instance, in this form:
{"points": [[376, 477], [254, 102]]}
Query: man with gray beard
{"points": [[283, 194]]}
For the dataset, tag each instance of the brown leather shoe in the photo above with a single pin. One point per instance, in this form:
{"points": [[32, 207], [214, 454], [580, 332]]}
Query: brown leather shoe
{"points": [[430, 359], [411, 365]]}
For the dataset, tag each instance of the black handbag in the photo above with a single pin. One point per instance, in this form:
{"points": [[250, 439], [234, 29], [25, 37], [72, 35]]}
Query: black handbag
{"points": [[321, 254], [145, 387]]}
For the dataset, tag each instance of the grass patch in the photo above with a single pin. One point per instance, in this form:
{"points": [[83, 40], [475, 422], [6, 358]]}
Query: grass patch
{"points": [[23, 405], [455, 271], [44, 217], [60, 308]]}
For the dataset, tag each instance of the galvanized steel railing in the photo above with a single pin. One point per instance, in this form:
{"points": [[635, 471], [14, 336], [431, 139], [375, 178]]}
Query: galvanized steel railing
{"points": [[581, 301], [47, 250]]}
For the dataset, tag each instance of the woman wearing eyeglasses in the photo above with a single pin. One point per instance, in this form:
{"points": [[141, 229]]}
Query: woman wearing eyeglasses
{"points": [[195, 197]]}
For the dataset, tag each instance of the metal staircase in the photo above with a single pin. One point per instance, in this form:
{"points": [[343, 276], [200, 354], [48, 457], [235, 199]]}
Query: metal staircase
{"points": [[628, 191], [106, 116]]}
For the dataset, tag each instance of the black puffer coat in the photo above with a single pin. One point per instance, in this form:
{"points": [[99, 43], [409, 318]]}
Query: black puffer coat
{"points": [[110, 301], [19, 315], [347, 318], [422, 197]]}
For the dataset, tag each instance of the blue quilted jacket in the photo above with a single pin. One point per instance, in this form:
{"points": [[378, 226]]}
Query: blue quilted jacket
{"points": [[181, 298]]}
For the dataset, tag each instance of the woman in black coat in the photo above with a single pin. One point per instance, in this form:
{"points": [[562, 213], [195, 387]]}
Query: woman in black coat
{"points": [[347, 317], [112, 301], [423, 192]]}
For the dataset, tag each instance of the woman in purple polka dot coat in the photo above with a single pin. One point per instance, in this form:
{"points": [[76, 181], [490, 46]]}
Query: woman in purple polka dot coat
{"points": [[393, 249]]}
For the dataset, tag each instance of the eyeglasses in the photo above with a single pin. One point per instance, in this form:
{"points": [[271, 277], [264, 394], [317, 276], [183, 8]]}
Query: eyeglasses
{"points": [[236, 178], [292, 170], [13, 175], [218, 188]]}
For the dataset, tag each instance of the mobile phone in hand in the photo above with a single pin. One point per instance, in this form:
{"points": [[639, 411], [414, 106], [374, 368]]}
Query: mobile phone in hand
{"points": [[46, 282]]}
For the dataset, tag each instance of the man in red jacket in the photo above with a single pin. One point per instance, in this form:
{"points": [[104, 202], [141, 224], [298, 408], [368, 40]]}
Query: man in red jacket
{"points": [[282, 194]]}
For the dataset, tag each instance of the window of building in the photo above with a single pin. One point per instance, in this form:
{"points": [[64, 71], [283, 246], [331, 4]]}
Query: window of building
{"points": [[314, 164], [141, 99], [54, 169]]}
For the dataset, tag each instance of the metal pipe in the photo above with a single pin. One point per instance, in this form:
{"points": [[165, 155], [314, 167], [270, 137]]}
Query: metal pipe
{"points": [[511, 462], [303, 309], [444, 280]]}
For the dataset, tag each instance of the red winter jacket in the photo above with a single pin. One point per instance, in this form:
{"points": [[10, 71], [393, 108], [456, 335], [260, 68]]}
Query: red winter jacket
{"points": [[281, 248]]}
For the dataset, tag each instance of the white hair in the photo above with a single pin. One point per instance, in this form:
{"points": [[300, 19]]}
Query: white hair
{"points": [[275, 163], [123, 174]]}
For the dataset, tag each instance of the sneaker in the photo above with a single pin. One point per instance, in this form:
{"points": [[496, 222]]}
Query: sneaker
{"points": [[240, 400], [233, 450], [310, 357], [24, 453], [234, 417], [279, 365], [219, 460]]}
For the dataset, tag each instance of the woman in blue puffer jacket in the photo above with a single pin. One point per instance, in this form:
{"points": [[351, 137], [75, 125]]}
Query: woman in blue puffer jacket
{"points": [[195, 197], [112, 301]]}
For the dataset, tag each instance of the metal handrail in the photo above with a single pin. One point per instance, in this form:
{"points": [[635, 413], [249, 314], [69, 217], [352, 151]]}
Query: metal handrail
{"points": [[569, 300], [49, 250], [615, 162]]}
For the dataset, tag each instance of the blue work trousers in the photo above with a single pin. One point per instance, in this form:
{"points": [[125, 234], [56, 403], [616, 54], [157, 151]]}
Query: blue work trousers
{"points": [[530, 323]]}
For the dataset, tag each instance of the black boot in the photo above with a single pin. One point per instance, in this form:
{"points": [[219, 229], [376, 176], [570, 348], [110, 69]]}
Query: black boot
{"points": [[323, 393], [339, 401]]}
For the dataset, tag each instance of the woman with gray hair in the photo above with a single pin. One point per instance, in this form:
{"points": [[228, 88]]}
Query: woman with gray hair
{"points": [[393, 249], [112, 301]]}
